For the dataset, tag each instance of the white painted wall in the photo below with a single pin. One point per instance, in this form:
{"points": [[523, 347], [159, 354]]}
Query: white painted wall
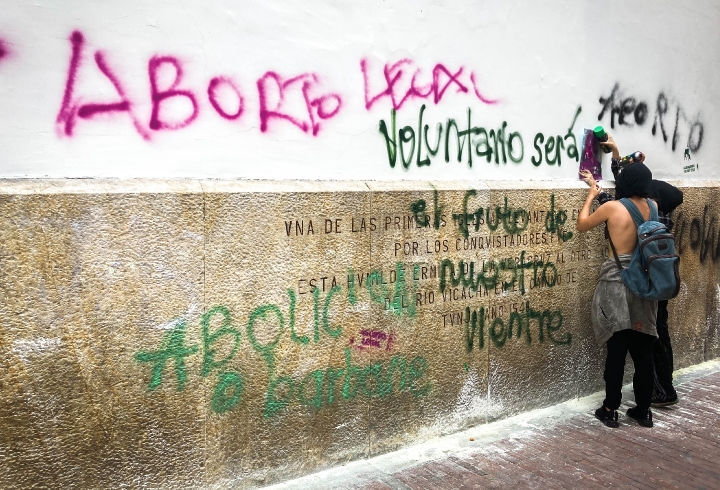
{"points": [[538, 60]]}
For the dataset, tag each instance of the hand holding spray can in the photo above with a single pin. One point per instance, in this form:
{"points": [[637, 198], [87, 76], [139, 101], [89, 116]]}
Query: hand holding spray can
{"points": [[602, 137]]}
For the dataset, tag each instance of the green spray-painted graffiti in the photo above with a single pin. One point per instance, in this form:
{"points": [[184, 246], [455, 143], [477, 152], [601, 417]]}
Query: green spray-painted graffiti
{"points": [[554, 145], [554, 221], [497, 145], [400, 302], [485, 144], [221, 401], [512, 219], [172, 347], [421, 219], [508, 272], [322, 388], [210, 338], [230, 384], [547, 323]]}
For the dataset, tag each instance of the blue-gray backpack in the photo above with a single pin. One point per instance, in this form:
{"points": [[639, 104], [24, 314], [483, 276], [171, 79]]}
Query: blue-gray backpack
{"points": [[654, 270]]}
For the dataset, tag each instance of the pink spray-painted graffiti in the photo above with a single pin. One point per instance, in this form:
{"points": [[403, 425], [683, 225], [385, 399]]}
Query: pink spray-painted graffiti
{"points": [[71, 108], [158, 96], [374, 339], [400, 81], [299, 99], [274, 91], [272, 87], [215, 85], [4, 51]]}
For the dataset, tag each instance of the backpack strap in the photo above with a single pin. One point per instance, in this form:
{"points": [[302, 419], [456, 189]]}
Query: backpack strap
{"points": [[653, 211], [617, 261], [635, 212], [637, 218]]}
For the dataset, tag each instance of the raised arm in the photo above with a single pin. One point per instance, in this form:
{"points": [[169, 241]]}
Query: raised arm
{"points": [[587, 221]]}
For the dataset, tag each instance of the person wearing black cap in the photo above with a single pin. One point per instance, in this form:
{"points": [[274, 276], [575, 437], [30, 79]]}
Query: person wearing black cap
{"points": [[667, 197], [621, 320]]}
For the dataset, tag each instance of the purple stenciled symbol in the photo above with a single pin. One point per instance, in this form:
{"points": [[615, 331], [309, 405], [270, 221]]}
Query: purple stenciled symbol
{"points": [[3, 49], [373, 338]]}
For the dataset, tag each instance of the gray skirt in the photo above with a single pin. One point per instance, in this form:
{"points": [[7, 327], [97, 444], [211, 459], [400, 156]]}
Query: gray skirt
{"points": [[616, 308]]}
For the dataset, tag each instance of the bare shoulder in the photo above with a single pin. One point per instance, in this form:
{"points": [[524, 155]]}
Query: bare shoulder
{"points": [[614, 205], [610, 206]]}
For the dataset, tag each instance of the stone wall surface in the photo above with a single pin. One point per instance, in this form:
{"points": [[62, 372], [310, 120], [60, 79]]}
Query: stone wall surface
{"points": [[194, 334]]}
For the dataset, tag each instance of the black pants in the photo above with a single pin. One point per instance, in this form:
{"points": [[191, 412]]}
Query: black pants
{"points": [[663, 355], [640, 347]]}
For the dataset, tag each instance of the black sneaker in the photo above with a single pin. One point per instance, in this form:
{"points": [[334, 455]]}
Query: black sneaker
{"points": [[663, 401], [608, 418], [643, 417]]}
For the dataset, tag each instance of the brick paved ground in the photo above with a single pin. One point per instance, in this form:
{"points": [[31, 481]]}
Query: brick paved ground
{"points": [[681, 451], [571, 449]]}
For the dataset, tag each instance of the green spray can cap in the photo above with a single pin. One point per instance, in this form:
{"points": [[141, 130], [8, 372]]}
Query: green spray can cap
{"points": [[600, 133], [602, 137]]}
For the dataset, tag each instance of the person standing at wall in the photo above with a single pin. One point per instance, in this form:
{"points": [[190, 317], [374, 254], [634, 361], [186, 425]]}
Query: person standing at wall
{"points": [[621, 320], [667, 197]]}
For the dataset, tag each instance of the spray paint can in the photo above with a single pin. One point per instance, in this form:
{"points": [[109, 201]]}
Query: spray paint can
{"points": [[602, 136]]}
